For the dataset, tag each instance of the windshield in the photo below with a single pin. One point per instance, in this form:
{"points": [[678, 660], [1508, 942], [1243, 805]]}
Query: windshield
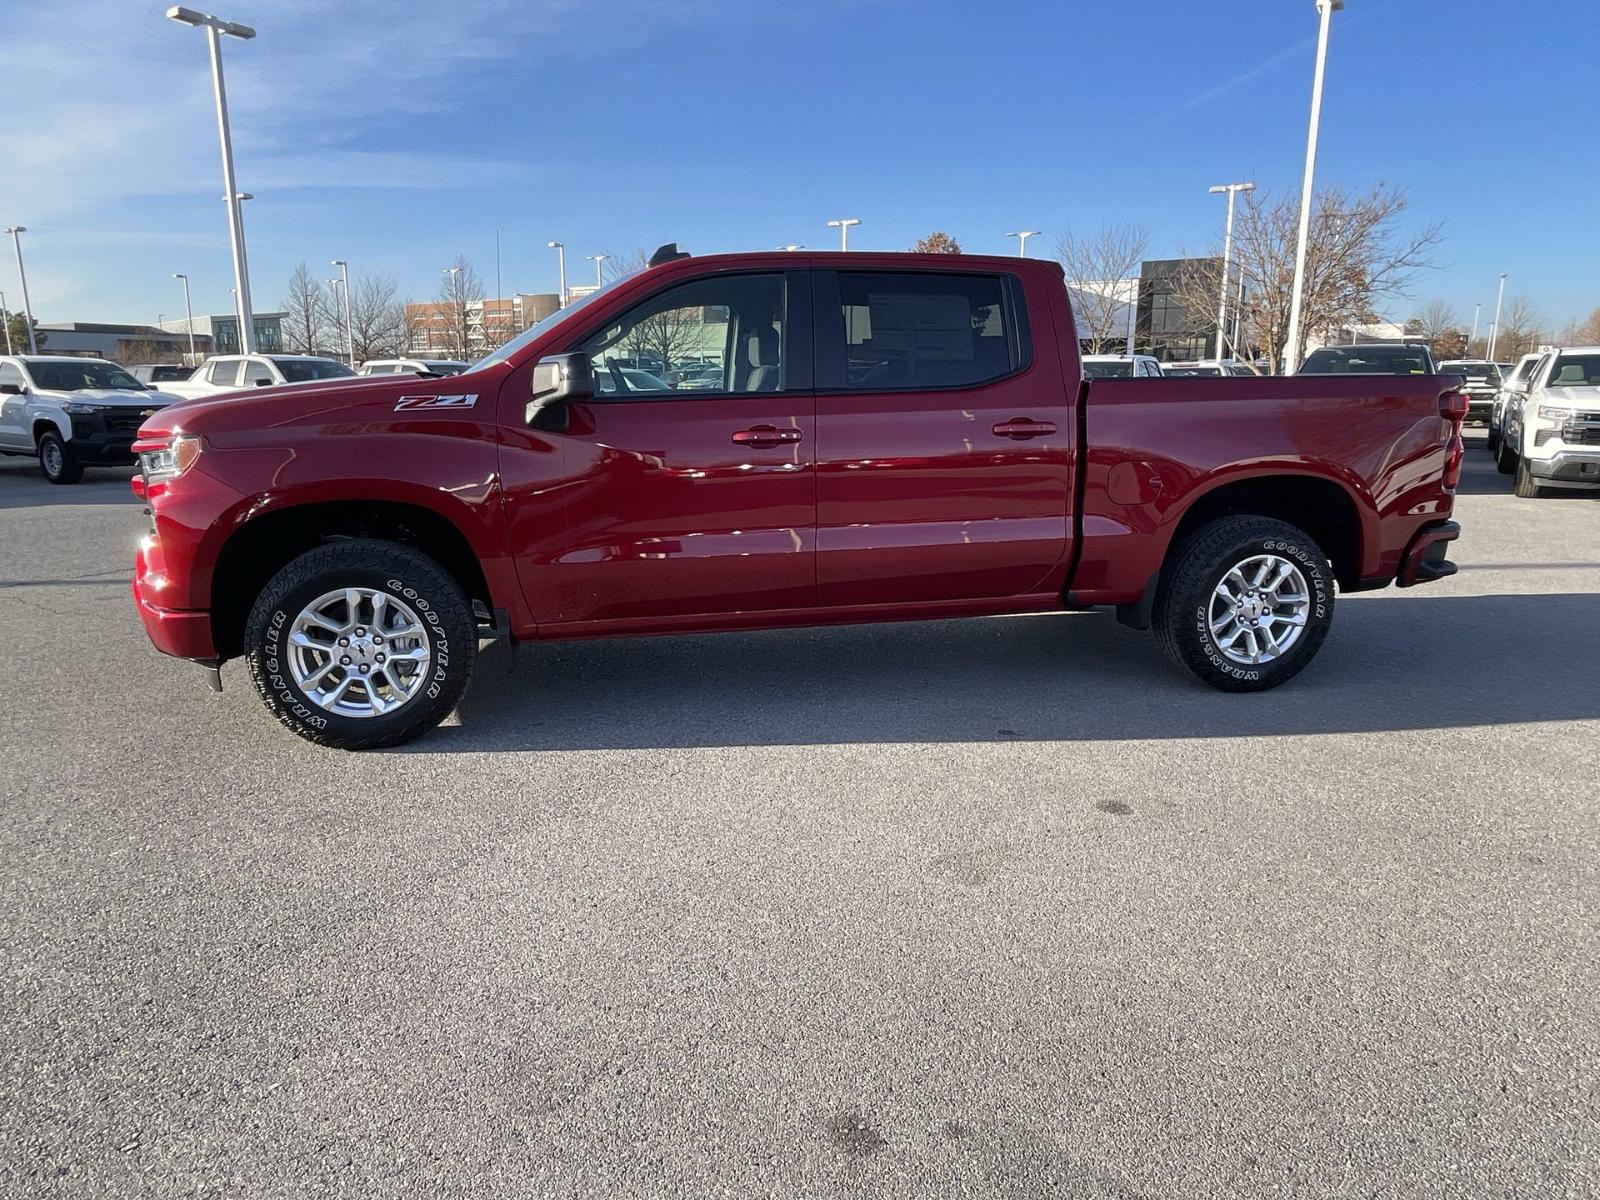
{"points": [[1575, 370], [440, 368], [299, 370], [1189, 372], [1477, 372], [1367, 360], [534, 331], [1108, 370], [161, 374], [69, 376]]}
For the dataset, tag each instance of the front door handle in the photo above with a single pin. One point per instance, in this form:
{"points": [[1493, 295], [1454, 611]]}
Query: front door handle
{"points": [[765, 435], [1022, 428]]}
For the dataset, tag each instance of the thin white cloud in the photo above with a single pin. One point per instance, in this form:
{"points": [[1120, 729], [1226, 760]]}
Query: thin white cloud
{"points": [[1261, 68]]}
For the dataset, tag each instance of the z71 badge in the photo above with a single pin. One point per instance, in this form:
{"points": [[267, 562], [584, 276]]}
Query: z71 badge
{"points": [[466, 401]]}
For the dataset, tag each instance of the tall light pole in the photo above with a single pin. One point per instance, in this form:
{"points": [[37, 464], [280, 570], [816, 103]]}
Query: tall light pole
{"points": [[597, 259], [1291, 353], [1476, 308], [188, 314], [215, 27], [843, 226], [1494, 330], [16, 232], [349, 333], [457, 303], [1022, 236], [561, 260], [1233, 189]]}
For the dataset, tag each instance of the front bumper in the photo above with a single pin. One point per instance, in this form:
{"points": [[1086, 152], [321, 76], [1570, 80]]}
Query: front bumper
{"points": [[1479, 405], [1580, 468], [105, 439], [182, 633], [1424, 559]]}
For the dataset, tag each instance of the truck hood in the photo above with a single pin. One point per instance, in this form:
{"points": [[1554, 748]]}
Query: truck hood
{"points": [[111, 397], [371, 396]]}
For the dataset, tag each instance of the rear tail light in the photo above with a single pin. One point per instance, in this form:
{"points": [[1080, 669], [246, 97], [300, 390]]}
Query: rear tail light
{"points": [[1453, 408]]}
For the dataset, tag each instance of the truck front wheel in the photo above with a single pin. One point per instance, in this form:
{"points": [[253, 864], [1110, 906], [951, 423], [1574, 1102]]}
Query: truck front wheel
{"points": [[1525, 484], [1244, 603], [56, 459], [361, 643]]}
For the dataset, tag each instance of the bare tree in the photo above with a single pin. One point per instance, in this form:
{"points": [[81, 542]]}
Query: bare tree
{"points": [[1438, 325], [459, 292], [1356, 257], [1519, 329], [620, 266], [377, 319], [1581, 333], [937, 242], [307, 314], [1097, 268]]}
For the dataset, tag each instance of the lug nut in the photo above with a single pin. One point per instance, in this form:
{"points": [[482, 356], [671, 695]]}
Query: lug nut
{"points": [[345, 660], [365, 668], [380, 657], [344, 641], [360, 632]]}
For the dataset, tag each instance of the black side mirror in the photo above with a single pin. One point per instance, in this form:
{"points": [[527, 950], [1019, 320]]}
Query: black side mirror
{"points": [[558, 379], [10, 389]]}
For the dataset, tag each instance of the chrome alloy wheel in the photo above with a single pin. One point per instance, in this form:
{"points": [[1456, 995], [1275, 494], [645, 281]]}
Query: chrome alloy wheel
{"points": [[358, 652], [1259, 610]]}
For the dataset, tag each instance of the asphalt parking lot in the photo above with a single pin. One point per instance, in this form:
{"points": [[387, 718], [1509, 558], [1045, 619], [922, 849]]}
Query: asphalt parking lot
{"points": [[988, 908]]}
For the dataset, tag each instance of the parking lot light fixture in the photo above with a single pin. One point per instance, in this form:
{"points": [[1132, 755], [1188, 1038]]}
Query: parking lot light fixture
{"points": [[561, 264], [1291, 353], [1233, 189], [188, 314], [215, 28], [597, 259], [1022, 236], [349, 333], [16, 232], [843, 226], [1500, 296]]}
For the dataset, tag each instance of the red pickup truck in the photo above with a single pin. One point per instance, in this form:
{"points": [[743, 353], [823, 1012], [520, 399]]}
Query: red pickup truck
{"points": [[758, 440]]}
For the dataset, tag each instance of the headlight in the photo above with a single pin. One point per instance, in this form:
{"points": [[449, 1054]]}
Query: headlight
{"points": [[170, 460], [1549, 412], [81, 408]]}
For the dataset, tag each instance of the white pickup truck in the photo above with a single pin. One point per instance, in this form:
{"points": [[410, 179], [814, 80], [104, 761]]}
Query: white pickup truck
{"points": [[1552, 431], [234, 372], [72, 412]]}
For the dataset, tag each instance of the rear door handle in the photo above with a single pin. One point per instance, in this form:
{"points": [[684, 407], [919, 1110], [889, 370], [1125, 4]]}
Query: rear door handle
{"points": [[1022, 428], [765, 435]]}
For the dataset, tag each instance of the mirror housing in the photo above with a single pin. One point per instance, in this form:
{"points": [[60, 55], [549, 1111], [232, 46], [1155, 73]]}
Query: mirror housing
{"points": [[10, 389], [558, 379]]}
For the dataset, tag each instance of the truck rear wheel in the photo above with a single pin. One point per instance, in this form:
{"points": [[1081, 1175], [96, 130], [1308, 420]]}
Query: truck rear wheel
{"points": [[1244, 603], [359, 644]]}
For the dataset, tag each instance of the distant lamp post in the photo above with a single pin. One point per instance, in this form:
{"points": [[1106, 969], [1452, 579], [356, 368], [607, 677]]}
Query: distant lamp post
{"points": [[188, 315], [1233, 189], [843, 226], [215, 27], [561, 262], [349, 333], [597, 259], [1494, 330], [1022, 236], [458, 336], [1291, 353], [16, 232], [1476, 309]]}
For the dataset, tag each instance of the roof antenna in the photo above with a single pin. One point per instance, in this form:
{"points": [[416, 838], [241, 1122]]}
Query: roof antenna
{"points": [[667, 253]]}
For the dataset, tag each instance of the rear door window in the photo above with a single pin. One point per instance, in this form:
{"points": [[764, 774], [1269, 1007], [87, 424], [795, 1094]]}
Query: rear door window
{"points": [[887, 331], [258, 373], [225, 372]]}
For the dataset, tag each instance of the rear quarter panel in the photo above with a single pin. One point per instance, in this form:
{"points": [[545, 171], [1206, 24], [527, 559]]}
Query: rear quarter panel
{"points": [[1157, 447]]}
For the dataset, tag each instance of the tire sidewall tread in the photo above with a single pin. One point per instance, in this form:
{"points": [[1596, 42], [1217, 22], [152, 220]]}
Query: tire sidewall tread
{"points": [[71, 468], [404, 572], [1183, 599]]}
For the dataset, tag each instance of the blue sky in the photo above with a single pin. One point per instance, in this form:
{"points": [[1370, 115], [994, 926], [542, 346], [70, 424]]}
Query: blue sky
{"points": [[399, 135]]}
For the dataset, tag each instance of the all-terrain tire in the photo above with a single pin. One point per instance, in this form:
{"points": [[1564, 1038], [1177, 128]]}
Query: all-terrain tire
{"points": [[56, 459], [400, 573], [1195, 568], [1526, 485]]}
